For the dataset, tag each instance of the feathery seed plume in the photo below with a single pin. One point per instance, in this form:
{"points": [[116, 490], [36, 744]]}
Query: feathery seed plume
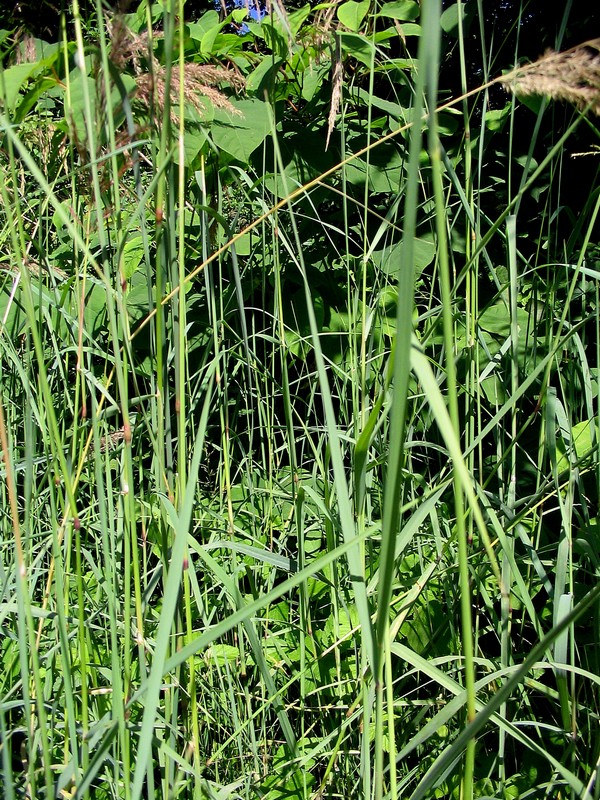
{"points": [[573, 76]]}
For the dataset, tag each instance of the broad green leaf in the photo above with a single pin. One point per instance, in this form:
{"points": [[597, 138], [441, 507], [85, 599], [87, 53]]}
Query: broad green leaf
{"points": [[401, 9], [585, 438], [133, 253], [389, 259], [297, 324], [38, 52], [351, 13], [381, 180], [362, 48], [280, 30], [359, 47], [384, 172], [76, 112], [395, 110], [410, 29], [33, 94], [94, 312], [495, 119], [13, 80], [340, 629], [584, 441], [136, 298], [240, 134], [420, 630], [262, 79], [208, 38], [403, 64], [280, 785], [496, 319], [423, 252], [192, 144], [197, 30], [534, 102], [304, 157], [296, 19], [274, 38], [222, 654], [227, 44], [312, 80], [448, 123], [243, 246], [450, 18]]}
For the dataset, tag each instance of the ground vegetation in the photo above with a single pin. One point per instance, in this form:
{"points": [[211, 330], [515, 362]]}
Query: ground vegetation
{"points": [[299, 352]]}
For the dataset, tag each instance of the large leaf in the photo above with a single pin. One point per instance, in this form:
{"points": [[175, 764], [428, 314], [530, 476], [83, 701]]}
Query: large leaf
{"points": [[497, 321], [362, 48], [197, 30], [76, 111], [454, 15], [262, 79], [192, 144], [279, 31], [239, 134], [584, 442], [401, 9], [13, 79], [351, 13], [206, 30], [304, 158], [294, 21], [384, 170], [389, 259], [297, 333], [312, 80], [359, 47], [38, 66], [395, 110]]}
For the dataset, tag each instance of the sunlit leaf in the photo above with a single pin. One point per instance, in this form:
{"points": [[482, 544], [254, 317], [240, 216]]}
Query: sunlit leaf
{"points": [[239, 134], [351, 13], [401, 9]]}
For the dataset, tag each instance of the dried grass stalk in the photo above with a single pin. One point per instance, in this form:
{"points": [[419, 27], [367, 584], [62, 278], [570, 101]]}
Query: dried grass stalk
{"points": [[125, 45], [573, 76], [34, 268], [26, 52], [112, 440], [336, 88], [198, 79]]}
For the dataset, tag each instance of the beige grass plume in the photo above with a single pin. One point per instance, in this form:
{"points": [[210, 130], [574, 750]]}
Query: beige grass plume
{"points": [[336, 88], [198, 79], [573, 76]]}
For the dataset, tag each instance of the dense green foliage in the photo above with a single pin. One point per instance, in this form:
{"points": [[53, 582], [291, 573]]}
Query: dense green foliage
{"points": [[299, 409]]}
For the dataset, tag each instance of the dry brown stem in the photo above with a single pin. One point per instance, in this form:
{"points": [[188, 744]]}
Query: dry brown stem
{"points": [[336, 89]]}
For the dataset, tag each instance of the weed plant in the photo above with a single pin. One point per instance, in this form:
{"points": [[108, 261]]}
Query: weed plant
{"points": [[298, 411]]}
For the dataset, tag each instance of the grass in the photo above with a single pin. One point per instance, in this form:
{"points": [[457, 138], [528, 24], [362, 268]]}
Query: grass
{"points": [[300, 475]]}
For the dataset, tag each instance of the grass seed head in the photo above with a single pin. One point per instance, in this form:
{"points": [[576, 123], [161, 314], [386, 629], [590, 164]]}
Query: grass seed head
{"points": [[572, 76]]}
